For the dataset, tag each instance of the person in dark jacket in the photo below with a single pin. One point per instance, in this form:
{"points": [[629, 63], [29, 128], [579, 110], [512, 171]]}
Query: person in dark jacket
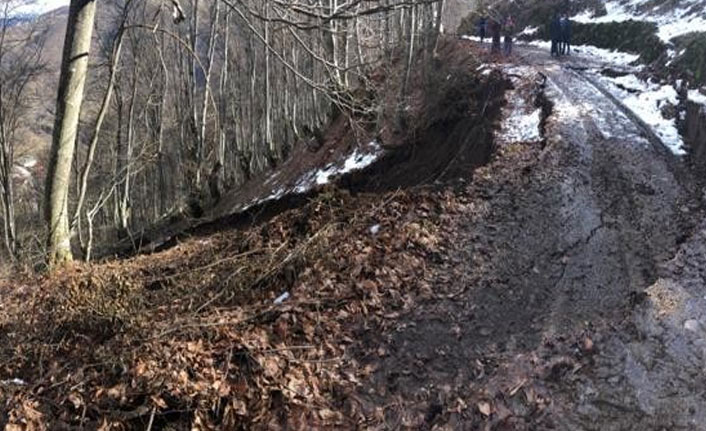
{"points": [[509, 30], [555, 34], [482, 28], [495, 33], [565, 35]]}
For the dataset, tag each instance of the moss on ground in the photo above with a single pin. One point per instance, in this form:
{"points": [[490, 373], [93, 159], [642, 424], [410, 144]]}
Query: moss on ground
{"points": [[693, 59], [637, 37]]}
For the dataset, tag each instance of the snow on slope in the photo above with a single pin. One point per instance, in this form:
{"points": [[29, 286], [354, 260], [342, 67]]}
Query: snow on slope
{"points": [[687, 17], [38, 7], [359, 159]]}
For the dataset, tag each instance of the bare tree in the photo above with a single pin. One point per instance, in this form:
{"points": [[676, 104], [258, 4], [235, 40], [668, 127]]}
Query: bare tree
{"points": [[74, 65], [239, 85]]}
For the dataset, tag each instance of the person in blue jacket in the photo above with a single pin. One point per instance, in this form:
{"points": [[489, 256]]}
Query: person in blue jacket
{"points": [[482, 28], [555, 34], [565, 35]]}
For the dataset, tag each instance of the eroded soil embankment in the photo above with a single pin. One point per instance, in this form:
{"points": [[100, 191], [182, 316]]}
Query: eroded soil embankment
{"points": [[694, 129], [443, 132], [192, 337]]}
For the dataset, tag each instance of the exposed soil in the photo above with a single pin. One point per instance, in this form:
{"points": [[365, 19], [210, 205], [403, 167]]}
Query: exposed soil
{"points": [[559, 286], [545, 310]]}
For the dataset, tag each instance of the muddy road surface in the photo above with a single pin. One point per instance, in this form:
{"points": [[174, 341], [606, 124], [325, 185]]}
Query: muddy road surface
{"points": [[574, 297]]}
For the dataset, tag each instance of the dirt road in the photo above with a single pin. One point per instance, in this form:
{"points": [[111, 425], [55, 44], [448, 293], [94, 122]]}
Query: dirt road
{"points": [[563, 306]]}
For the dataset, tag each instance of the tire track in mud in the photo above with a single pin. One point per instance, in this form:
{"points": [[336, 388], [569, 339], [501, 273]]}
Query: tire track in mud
{"points": [[618, 258], [568, 232], [640, 191]]}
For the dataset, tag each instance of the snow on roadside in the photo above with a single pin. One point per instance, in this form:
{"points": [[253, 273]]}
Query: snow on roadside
{"points": [[646, 100], [608, 56], [519, 125], [521, 120]]}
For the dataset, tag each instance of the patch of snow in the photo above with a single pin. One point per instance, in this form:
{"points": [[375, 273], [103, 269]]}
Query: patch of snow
{"points": [[471, 38], [616, 12], [648, 106], [375, 229], [608, 56], [692, 325], [359, 159], [280, 299], [529, 31], [670, 30], [697, 97], [21, 173], [356, 161], [647, 101], [28, 162], [631, 82], [615, 57], [15, 381], [521, 120], [520, 126]]}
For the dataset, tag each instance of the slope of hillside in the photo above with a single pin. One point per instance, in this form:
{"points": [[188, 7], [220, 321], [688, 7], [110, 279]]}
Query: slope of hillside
{"points": [[319, 272]]}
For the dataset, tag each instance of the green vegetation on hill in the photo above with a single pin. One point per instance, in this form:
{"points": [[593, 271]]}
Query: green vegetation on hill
{"points": [[693, 59], [637, 37]]}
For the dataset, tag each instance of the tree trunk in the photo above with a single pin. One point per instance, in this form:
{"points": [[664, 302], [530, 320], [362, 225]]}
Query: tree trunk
{"points": [[74, 65]]}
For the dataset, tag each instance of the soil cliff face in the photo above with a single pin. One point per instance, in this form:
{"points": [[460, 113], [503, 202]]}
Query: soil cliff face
{"points": [[695, 135]]}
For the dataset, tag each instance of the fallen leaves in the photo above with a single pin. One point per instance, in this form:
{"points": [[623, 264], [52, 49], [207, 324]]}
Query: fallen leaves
{"points": [[210, 342]]}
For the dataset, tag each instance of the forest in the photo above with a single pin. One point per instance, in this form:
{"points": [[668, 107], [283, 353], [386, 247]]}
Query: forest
{"points": [[175, 103]]}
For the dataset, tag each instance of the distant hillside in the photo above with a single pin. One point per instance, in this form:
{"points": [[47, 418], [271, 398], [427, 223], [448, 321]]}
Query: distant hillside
{"points": [[47, 29], [36, 8]]}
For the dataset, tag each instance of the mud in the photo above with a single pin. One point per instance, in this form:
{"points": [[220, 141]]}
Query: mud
{"points": [[546, 315], [572, 297]]}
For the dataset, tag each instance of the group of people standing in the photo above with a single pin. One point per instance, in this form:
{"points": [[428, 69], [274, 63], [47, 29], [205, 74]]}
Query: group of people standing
{"points": [[560, 32], [497, 28]]}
